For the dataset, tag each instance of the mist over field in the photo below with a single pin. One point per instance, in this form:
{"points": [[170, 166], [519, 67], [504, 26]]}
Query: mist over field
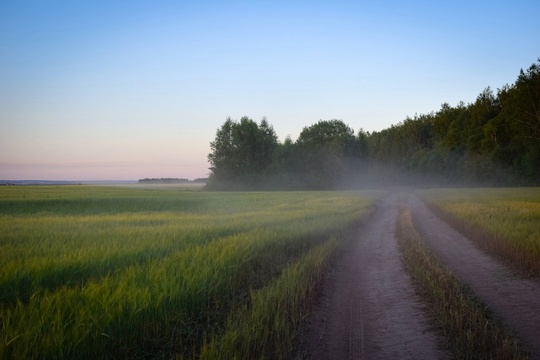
{"points": [[492, 141]]}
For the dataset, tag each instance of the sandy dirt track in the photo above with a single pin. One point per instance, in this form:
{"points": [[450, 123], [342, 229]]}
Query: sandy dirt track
{"points": [[369, 309], [514, 299]]}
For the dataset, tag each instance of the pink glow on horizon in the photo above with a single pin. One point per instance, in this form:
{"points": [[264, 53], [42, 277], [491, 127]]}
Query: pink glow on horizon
{"points": [[97, 171]]}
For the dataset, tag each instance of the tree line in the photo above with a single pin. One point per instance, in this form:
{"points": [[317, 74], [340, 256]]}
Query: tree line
{"points": [[493, 141]]}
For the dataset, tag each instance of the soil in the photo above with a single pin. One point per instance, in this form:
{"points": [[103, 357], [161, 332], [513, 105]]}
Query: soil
{"points": [[511, 297], [369, 309]]}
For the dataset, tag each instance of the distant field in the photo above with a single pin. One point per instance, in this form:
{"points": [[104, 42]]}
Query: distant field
{"points": [[94, 272], [504, 222], [185, 187]]}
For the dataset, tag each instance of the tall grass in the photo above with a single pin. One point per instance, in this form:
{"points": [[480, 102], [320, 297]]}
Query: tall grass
{"points": [[472, 332], [120, 273], [268, 325], [503, 222]]}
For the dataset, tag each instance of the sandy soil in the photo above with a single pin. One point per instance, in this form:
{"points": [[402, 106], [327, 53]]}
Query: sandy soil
{"points": [[514, 299], [369, 310]]}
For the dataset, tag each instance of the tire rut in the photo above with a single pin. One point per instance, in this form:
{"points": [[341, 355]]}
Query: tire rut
{"points": [[369, 309], [515, 300]]}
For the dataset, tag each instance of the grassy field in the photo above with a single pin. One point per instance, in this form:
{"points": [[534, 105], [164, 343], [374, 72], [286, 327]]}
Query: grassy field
{"points": [[95, 272], [503, 222]]}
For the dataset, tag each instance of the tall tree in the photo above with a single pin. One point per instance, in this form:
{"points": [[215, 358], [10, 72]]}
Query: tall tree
{"points": [[241, 151], [324, 147]]}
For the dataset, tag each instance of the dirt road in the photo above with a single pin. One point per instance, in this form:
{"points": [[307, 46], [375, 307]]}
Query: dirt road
{"points": [[369, 309], [514, 299]]}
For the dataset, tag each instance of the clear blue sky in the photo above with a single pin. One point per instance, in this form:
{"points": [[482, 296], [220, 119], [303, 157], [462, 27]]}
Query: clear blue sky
{"points": [[132, 89]]}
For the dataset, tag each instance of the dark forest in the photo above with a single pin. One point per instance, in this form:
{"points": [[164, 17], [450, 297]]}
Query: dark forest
{"points": [[493, 141]]}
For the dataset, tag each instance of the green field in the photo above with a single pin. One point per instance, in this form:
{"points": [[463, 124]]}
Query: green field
{"points": [[504, 222], [95, 272]]}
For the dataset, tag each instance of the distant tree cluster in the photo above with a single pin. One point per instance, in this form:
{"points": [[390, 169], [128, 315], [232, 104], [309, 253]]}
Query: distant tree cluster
{"points": [[171, 181], [493, 141], [200, 180]]}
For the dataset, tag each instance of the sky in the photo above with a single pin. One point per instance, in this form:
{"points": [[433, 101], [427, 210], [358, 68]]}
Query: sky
{"points": [[124, 90]]}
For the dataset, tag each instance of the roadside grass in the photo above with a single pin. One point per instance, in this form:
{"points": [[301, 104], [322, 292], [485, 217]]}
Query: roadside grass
{"points": [[502, 222], [95, 272], [267, 327], [472, 332]]}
